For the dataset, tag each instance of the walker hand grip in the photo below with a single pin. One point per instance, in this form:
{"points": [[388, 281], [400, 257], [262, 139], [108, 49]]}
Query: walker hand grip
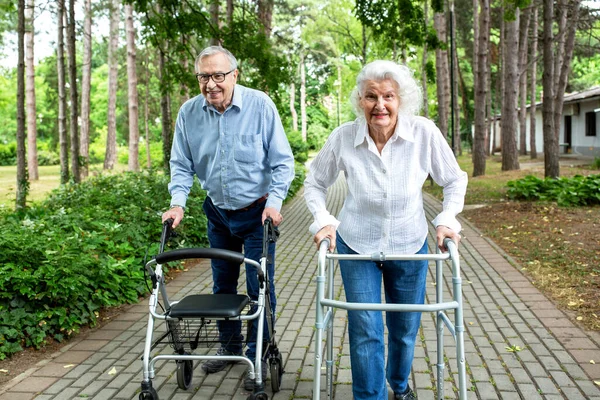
{"points": [[183, 254]]}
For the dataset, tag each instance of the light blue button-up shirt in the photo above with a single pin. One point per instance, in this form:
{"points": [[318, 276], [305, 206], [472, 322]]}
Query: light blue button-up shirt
{"points": [[238, 156]]}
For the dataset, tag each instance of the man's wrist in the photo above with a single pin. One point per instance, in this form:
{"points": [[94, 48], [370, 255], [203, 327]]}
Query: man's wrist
{"points": [[177, 205]]}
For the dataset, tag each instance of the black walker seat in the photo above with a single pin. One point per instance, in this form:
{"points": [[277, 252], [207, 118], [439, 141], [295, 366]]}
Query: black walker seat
{"points": [[210, 306]]}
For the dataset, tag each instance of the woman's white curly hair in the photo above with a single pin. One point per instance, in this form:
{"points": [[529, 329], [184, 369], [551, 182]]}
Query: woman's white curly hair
{"points": [[409, 91]]}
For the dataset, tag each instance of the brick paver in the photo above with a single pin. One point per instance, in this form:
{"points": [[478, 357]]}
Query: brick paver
{"points": [[502, 310]]}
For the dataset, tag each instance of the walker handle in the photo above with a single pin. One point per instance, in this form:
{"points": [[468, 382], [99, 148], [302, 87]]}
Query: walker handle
{"points": [[198, 252], [167, 230]]}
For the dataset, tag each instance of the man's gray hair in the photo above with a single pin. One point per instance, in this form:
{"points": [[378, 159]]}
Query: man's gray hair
{"points": [[409, 91], [212, 50]]}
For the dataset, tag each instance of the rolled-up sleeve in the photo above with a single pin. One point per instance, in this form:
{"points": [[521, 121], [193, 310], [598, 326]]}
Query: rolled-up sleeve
{"points": [[182, 165], [323, 173], [280, 157], [446, 172]]}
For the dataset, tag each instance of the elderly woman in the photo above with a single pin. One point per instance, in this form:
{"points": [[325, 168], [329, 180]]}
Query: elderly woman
{"points": [[386, 155]]}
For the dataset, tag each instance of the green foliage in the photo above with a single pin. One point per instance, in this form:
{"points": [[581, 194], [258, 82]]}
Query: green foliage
{"points": [[576, 191], [8, 153], [596, 163], [80, 250], [299, 147]]}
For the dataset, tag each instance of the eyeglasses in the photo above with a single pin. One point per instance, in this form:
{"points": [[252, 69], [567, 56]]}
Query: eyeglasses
{"points": [[217, 77]]}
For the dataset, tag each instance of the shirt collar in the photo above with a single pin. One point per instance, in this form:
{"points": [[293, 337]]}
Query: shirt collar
{"points": [[403, 130], [236, 100]]}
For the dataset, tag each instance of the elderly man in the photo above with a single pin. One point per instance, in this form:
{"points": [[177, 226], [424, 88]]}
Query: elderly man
{"points": [[231, 137]]}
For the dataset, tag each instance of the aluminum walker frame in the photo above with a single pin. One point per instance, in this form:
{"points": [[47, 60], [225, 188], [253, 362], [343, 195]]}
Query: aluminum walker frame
{"points": [[191, 322], [325, 309]]}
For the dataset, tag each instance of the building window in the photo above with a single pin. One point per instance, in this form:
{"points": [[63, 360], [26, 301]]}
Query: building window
{"points": [[590, 123]]}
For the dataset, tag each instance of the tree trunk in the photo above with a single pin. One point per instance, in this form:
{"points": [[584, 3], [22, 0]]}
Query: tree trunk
{"points": [[481, 92], [454, 92], [132, 94], [111, 138], [551, 166], [523, 32], [442, 74], [363, 60], [32, 162], [423, 64], [562, 74], [265, 15], [214, 20], [533, 84], [146, 114], [184, 90], [230, 9], [303, 122], [74, 114], [22, 181], [293, 106], [510, 76], [86, 81], [62, 97], [165, 107]]}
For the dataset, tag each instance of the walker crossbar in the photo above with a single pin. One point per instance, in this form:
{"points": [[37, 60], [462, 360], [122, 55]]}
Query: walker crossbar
{"points": [[325, 306]]}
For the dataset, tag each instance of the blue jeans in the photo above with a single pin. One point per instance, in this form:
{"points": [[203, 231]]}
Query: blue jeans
{"points": [[404, 282], [240, 231]]}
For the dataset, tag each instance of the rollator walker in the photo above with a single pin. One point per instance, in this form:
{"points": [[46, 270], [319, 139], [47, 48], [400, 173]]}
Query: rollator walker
{"points": [[325, 305], [191, 322]]}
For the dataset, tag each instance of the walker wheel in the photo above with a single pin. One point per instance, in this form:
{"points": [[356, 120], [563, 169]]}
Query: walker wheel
{"points": [[258, 396], [276, 373], [185, 372], [148, 394]]}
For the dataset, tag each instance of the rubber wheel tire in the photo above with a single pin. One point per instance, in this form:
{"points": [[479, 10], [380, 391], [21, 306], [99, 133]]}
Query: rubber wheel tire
{"points": [[259, 396], [149, 394], [275, 366], [185, 373]]}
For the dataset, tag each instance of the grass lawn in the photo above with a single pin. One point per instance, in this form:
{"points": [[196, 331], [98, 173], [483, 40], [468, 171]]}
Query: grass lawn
{"points": [[38, 190]]}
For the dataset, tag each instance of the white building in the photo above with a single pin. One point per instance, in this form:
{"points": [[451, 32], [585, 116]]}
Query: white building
{"points": [[579, 129]]}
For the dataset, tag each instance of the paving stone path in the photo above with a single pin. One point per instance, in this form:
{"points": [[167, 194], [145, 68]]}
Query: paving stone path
{"points": [[502, 310]]}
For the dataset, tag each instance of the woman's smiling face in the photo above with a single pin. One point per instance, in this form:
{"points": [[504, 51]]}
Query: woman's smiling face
{"points": [[380, 103]]}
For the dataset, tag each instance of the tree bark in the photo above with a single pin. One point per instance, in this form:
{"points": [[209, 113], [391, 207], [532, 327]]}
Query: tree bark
{"points": [[146, 114], [110, 157], [423, 64], [134, 134], [165, 107], [442, 74], [32, 162], [214, 20], [481, 92], [303, 122], [562, 74], [62, 97], [86, 81], [551, 165], [265, 15], [533, 84], [230, 8], [510, 156], [22, 181], [454, 66], [523, 32], [74, 114], [293, 106]]}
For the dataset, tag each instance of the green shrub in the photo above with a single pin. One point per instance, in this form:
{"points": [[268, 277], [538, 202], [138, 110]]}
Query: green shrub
{"points": [[8, 154], [596, 163], [299, 147], [80, 250], [576, 191], [47, 157], [300, 171]]}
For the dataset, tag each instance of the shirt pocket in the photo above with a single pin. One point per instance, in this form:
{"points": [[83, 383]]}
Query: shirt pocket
{"points": [[247, 148]]}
